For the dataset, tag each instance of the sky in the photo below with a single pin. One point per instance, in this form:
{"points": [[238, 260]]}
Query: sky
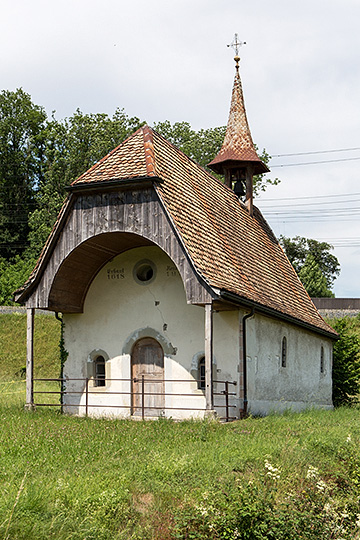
{"points": [[169, 60]]}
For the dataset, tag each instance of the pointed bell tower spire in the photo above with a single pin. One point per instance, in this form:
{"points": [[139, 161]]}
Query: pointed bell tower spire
{"points": [[237, 159]]}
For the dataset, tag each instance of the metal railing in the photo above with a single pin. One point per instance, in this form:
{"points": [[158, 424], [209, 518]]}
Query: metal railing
{"points": [[141, 407]]}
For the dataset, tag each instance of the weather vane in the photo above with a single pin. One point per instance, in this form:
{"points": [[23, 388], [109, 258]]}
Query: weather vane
{"points": [[236, 44]]}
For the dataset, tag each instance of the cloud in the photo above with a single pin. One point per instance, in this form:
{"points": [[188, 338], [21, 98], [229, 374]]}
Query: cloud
{"points": [[168, 60]]}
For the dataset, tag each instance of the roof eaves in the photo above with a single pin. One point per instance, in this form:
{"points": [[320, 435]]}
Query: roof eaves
{"points": [[232, 297], [136, 181]]}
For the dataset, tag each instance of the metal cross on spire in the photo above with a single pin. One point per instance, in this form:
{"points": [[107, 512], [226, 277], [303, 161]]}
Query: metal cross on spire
{"points": [[236, 44]]}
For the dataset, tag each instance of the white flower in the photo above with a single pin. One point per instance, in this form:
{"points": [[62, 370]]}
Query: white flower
{"points": [[203, 510], [312, 473], [328, 508], [348, 438], [272, 471], [321, 486]]}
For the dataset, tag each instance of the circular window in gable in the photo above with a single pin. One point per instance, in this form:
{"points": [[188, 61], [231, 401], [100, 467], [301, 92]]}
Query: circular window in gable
{"points": [[144, 272]]}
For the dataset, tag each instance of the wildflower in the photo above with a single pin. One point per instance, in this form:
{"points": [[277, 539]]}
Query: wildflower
{"points": [[312, 473], [357, 522], [203, 510], [348, 438], [272, 471], [328, 508], [321, 486]]}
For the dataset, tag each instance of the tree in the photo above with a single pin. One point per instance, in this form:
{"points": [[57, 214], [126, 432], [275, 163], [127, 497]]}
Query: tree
{"points": [[298, 250], [12, 276], [346, 362], [21, 149], [313, 279]]}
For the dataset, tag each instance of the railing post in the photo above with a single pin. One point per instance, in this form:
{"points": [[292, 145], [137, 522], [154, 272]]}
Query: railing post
{"points": [[142, 397], [209, 358], [86, 396], [30, 359], [227, 400]]}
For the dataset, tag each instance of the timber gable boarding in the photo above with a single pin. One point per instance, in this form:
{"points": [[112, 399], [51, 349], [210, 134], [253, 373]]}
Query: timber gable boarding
{"points": [[99, 226]]}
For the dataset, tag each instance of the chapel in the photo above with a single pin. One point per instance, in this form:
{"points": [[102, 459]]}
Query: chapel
{"points": [[175, 296]]}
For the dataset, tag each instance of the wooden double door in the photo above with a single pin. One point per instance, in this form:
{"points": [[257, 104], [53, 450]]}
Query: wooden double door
{"points": [[147, 374]]}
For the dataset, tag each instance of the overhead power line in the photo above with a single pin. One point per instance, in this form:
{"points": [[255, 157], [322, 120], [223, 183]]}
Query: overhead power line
{"points": [[314, 162], [317, 152], [337, 195]]}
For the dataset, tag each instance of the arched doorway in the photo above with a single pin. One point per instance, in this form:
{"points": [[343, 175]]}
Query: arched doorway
{"points": [[147, 374]]}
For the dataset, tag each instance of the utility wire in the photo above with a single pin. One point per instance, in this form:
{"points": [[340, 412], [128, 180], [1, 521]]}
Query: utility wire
{"points": [[311, 197], [320, 203], [314, 162], [317, 152]]}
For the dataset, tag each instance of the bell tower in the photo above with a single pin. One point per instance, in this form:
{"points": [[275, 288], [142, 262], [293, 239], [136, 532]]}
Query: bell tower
{"points": [[237, 159]]}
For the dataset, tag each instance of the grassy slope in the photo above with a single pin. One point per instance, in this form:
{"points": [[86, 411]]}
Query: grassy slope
{"points": [[104, 479], [281, 477], [13, 345]]}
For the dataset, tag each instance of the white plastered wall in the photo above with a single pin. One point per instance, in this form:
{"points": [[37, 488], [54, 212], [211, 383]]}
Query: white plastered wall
{"points": [[300, 384], [117, 311]]}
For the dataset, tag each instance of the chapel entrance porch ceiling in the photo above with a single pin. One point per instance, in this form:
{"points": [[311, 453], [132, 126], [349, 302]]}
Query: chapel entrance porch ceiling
{"points": [[77, 271]]}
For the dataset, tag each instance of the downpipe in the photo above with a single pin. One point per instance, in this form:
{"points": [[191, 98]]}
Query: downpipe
{"points": [[244, 410]]}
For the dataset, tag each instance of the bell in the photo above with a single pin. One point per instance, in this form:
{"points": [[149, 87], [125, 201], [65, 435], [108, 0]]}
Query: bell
{"points": [[239, 189]]}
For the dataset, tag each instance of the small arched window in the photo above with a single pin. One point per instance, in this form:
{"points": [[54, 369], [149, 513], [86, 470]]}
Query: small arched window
{"points": [[322, 362], [99, 371], [283, 352], [201, 373]]}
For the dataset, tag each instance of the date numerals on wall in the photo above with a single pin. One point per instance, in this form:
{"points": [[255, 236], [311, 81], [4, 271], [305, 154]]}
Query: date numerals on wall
{"points": [[116, 273], [171, 271]]}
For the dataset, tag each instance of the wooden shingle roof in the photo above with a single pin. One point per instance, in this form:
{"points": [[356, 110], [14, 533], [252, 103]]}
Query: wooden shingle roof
{"points": [[234, 252]]}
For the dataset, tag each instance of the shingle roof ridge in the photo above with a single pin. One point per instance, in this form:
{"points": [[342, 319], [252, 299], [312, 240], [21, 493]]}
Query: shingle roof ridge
{"points": [[149, 150]]}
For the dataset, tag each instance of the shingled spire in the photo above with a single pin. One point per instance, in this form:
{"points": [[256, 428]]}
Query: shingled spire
{"points": [[237, 159]]}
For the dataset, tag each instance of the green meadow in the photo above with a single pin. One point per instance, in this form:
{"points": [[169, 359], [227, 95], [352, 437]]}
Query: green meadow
{"points": [[290, 476]]}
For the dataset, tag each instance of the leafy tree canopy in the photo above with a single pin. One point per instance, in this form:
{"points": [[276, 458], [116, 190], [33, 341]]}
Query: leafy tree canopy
{"points": [[313, 279], [311, 258], [22, 141], [13, 276], [346, 362]]}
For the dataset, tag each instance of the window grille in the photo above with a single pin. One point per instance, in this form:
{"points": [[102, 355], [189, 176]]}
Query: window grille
{"points": [[99, 375]]}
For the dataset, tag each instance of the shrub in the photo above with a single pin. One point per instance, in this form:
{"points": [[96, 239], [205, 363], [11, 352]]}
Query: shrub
{"points": [[13, 274], [346, 363]]}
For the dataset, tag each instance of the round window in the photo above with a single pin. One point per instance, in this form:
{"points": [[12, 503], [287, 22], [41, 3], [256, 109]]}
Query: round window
{"points": [[144, 272]]}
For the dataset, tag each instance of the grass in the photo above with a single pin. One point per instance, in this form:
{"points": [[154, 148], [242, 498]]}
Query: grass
{"points": [[13, 346], [291, 476], [284, 477]]}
